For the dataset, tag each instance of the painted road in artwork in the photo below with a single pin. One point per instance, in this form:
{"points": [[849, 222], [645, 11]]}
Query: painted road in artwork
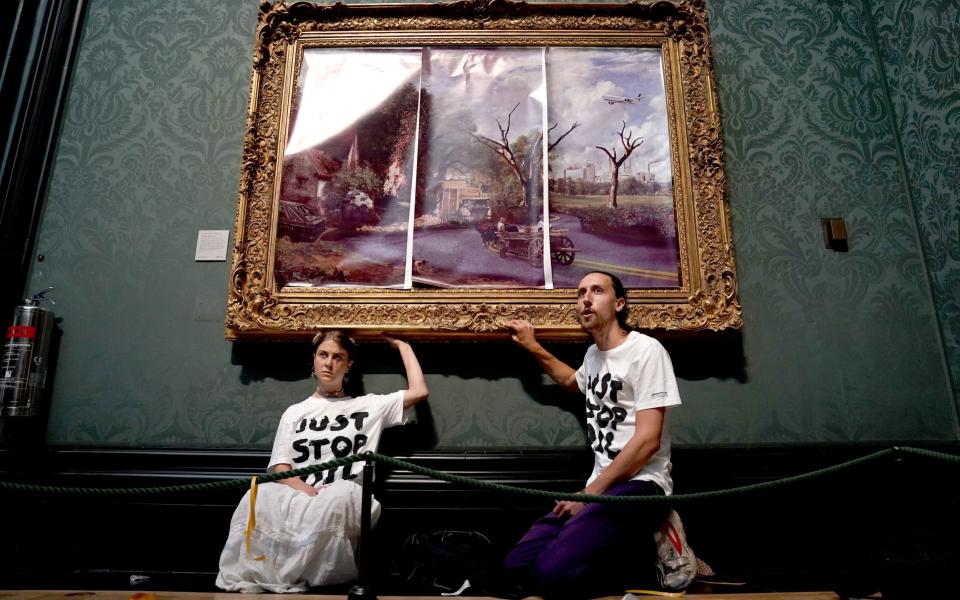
{"points": [[639, 262]]}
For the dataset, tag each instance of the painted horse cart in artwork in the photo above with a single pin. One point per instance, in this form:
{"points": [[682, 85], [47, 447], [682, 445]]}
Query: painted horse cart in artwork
{"points": [[527, 243]]}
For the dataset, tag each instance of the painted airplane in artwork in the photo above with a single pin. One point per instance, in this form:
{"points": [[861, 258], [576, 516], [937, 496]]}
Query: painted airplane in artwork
{"points": [[622, 99]]}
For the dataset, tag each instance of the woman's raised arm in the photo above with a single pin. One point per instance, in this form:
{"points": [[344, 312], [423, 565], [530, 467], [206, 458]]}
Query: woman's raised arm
{"points": [[417, 385]]}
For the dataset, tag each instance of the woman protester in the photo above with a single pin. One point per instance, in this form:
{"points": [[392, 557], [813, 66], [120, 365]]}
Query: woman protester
{"points": [[307, 531]]}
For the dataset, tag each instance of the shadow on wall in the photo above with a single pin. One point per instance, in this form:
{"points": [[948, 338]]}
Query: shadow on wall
{"points": [[290, 361], [708, 355], [704, 355], [451, 365], [448, 365], [542, 389], [262, 360]]}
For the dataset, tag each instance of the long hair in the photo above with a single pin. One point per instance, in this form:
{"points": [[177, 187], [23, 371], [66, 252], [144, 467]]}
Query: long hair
{"points": [[619, 292]]}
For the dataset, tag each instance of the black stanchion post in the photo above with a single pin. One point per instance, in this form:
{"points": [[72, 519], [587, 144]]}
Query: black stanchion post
{"points": [[364, 589]]}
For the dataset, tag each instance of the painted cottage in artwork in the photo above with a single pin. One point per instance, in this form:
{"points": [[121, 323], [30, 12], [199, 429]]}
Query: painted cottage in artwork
{"points": [[461, 202]]}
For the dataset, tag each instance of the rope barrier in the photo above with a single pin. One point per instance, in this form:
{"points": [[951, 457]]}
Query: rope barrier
{"points": [[895, 452]]}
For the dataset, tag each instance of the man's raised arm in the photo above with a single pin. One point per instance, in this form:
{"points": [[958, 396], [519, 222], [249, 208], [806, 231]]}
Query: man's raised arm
{"points": [[522, 332]]}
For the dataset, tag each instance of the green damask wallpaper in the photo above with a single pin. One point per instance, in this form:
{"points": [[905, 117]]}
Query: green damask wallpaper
{"points": [[836, 346], [920, 46]]}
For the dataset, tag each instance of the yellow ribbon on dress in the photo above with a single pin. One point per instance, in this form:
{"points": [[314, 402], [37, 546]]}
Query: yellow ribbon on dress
{"points": [[252, 521]]}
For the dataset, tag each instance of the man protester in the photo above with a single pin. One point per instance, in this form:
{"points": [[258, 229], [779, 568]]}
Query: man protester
{"points": [[582, 550]]}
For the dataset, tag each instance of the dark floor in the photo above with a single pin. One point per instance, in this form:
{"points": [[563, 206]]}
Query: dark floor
{"points": [[204, 582]]}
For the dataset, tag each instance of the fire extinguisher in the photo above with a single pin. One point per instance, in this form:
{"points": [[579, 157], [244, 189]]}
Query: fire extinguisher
{"points": [[23, 372]]}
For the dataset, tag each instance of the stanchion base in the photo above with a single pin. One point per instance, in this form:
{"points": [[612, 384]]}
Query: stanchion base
{"points": [[359, 592]]}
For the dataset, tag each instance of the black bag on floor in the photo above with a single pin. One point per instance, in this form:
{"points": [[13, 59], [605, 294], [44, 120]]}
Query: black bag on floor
{"points": [[446, 562]]}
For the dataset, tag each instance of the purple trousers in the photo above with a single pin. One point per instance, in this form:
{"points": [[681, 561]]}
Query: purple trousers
{"points": [[603, 549]]}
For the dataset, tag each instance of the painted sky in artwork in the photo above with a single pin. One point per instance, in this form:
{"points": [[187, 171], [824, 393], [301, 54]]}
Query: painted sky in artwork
{"points": [[487, 83], [577, 80], [339, 87]]}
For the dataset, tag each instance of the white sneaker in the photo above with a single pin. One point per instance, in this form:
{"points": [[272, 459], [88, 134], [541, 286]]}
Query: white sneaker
{"points": [[676, 564]]}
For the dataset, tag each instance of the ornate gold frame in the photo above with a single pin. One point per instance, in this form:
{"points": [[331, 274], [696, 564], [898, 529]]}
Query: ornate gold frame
{"points": [[707, 298]]}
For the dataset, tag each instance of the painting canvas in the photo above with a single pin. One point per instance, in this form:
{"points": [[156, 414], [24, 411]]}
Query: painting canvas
{"points": [[481, 163], [346, 189], [471, 123], [437, 170], [611, 189]]}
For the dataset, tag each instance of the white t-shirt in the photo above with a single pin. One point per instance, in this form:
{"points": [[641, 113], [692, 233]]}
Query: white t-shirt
{"points": [[320, 429], [636, 375]]}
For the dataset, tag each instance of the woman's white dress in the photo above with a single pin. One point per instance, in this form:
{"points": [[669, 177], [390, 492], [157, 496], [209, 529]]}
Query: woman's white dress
{"points": [[309, 540], [305, 540]]}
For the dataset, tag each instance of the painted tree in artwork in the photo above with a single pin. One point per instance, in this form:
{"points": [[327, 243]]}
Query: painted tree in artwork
{"points": [[499, 181], [524, 159], [629, 145], [380, 150]]}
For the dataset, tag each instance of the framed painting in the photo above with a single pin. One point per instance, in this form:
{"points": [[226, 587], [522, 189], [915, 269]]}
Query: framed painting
{"points": [[436, 170]]}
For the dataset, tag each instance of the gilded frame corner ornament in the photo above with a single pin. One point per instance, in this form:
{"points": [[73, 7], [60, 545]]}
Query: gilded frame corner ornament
{"points": [[707, 298]]}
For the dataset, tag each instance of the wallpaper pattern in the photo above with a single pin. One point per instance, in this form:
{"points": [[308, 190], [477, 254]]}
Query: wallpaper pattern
{"points": [[836, 343], [836, 346], [920, 45]]}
